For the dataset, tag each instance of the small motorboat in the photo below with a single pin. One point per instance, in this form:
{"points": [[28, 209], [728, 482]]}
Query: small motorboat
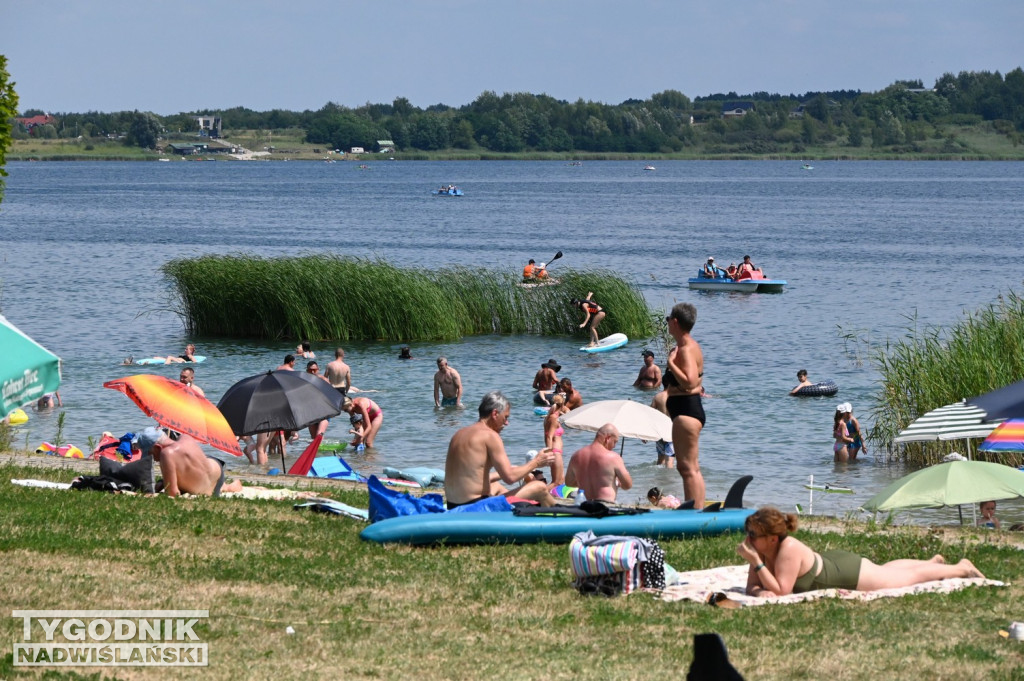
{"points": [[450, 190], [807, 166], [649, 168]]}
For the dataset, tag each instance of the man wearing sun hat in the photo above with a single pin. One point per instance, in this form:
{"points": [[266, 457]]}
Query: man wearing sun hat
{"points": [[649, 377], [185, 468]]}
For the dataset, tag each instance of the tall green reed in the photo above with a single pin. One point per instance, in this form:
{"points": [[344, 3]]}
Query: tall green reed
{"points": [[329, 297], [932, 367]]}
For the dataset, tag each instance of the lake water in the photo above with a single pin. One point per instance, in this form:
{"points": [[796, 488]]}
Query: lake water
{"points": [[865, 246]]}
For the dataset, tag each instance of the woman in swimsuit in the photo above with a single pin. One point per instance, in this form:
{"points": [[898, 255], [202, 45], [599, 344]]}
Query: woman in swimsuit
{"points": [[372, 415], [553, 438], [595, 313], [853, 427], [683, 381], [782, 565], [840, 431]]}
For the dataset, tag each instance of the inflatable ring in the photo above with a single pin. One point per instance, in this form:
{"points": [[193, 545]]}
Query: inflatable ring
{"points": [[826, 388]]}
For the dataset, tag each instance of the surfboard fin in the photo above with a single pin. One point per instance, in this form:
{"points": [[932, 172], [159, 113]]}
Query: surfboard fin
{"points": [[734, 499]]}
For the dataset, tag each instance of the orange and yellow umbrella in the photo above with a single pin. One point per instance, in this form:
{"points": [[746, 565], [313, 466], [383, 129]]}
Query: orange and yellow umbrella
{"points": [[176, 406]]}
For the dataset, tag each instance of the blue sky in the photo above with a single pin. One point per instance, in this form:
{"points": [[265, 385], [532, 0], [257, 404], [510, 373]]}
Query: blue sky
{"points": [[167, 57]]}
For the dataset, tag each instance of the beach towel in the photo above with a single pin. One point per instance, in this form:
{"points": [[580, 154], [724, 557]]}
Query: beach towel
{"points": [[728, 584], [334, 508], [43, 484], [420, 475]]}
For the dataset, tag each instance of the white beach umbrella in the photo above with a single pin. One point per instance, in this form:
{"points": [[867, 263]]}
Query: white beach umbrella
{"points": [[633, 419]]}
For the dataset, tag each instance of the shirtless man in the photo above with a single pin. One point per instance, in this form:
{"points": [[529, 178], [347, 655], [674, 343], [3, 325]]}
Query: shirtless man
{"points": [[288, 364], [546, 379], [184, 466], [339, 374], [597, 469], [650, 375], [448, 383], [476, 449], [188, 377]]}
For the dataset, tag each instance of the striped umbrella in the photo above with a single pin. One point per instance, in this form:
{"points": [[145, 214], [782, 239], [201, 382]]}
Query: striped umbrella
{"points": [[1008, 437], [956, 421]]}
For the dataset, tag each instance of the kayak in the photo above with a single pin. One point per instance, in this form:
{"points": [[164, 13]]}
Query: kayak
{"points": [[507, 527], [616, 340]]}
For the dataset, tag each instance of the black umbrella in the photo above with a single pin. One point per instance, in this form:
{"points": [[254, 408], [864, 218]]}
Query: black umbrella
{"points": [[1004, 403], [278, 400]]}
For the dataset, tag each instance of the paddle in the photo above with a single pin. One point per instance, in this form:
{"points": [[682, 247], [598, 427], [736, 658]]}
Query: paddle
{"points": [[557, 256]]}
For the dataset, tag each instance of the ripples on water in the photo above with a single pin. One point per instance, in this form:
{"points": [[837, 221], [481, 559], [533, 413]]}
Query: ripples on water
{"points": [[865, 247]]}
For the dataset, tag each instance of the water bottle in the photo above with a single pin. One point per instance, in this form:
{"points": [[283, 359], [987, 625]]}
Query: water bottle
{"points": [[580, 496]]}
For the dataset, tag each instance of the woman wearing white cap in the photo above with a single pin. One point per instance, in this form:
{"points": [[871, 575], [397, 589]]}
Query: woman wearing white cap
{"points": [[841, 432]]}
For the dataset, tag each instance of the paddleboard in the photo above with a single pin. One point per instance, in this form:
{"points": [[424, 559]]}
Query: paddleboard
{"points": [[163, 360], [503, 527], [616, 340], [831, 489]]}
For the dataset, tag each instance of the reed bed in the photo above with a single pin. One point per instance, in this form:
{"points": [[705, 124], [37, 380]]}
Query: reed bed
{"points": [[931, 368], [329, 297]]}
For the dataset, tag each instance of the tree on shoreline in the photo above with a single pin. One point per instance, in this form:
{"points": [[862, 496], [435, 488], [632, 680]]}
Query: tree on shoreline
{"points": [[8, 110]]}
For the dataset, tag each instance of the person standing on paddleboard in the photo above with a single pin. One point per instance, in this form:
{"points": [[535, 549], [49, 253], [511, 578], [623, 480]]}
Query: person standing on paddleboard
{"points": [[595, 313]]}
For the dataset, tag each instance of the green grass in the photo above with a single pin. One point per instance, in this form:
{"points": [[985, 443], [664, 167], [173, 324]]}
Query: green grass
{"points": [[364, 611], [933, 367], [323, 297]]}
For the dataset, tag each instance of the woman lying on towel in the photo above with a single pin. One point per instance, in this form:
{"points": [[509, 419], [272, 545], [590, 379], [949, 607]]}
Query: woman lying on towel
{"points": [[781, 564]]}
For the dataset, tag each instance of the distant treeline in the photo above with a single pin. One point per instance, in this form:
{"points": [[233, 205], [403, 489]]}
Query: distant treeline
{"points": [[896, 118]]}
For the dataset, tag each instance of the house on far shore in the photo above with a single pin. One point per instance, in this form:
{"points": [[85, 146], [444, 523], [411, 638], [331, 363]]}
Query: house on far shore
{"points": [[736, 109], [209, 126], [385, 147], [33, 121], [357, 150]]}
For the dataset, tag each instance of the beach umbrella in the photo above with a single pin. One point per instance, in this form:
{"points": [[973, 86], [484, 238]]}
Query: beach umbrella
{"points": [[27, 369], [952, 422], [279, 400], [950, 484], [633, 419], [176, 406], [1004, 403], [1007, 437]]}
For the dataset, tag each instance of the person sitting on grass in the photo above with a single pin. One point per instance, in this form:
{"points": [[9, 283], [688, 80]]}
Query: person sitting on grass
{"points": [[781, 564]]}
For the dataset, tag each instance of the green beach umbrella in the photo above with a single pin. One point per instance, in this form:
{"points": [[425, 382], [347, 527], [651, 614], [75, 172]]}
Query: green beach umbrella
{"points": [[27, 369], [950, 484]]}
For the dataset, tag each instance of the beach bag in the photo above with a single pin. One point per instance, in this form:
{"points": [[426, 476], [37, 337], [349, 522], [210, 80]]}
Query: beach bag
{"points": [[386, 503], [613, 565]]}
